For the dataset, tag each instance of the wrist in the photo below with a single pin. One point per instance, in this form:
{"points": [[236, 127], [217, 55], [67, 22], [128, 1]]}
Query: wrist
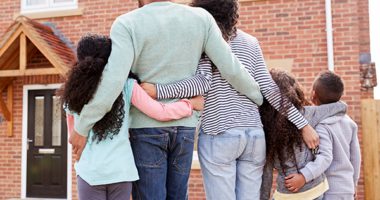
{"points": [[157, 94], [304, 125], [303, 178], [80, 130]]}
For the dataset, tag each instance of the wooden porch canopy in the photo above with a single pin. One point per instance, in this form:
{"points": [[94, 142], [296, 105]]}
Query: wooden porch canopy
{"points": [[24, 39]]}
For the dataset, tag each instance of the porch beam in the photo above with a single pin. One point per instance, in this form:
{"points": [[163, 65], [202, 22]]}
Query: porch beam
{"points": [[10, 109], [23, 52], [45, 52], [28, 72], [10, 41], [4, 83]]}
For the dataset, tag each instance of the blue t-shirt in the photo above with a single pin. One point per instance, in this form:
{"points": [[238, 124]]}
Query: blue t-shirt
{"points": [[110, 160]]}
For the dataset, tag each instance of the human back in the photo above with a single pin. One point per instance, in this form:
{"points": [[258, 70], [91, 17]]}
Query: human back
{"points": [[341, 173], [231, 108], [168, 41]]}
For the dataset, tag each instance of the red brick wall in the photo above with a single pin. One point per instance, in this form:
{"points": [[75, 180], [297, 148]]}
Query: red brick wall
{"points": [[10, 147], [287, 30]]}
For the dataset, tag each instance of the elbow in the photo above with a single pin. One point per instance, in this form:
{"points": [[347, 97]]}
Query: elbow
{"points": [[207, 88], [329, 161]]}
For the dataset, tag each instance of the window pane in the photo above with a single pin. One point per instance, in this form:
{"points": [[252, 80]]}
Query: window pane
{"points": [[36, 2], [63, 1], [57, 117], [39, 122]]}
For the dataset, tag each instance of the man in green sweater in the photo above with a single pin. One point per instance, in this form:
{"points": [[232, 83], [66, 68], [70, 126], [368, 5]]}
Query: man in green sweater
{"points": [[162, 42]]}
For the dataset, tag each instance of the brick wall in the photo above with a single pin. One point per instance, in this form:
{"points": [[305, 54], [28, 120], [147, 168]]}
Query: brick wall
{"points": [[292, 30], [10, 147]]}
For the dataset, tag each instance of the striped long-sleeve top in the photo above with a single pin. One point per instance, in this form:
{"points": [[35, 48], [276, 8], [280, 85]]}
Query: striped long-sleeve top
{"points": [[225, 107]]}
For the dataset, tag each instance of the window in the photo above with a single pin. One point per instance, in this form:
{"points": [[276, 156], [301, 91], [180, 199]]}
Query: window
{"points": [[47, 5]]}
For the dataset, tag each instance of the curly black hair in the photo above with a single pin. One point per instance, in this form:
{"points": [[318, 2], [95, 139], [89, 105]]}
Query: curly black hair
{"points": [[83, 80], [225, 12], [281, 135]]}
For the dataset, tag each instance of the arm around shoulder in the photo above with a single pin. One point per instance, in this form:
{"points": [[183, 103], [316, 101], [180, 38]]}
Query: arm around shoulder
{"points": [[114, 76], [229, 66], [193, 86], [322, 160]]}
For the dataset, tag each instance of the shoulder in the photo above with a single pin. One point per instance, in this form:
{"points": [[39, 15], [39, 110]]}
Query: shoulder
{"points": [[200, 14], [128, 16], [129, 19], [243, 36], [245, 42], [323, 129], [347, 120]]}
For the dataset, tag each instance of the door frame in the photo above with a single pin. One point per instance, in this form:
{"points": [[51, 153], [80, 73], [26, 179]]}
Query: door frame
{"points": [[26, 89]]}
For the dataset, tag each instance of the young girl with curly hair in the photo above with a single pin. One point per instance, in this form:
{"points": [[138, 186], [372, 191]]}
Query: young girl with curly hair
{"points": [[106, 167], [300, 170]]}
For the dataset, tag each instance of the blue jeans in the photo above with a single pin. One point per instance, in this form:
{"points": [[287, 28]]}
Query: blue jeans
{"points": [[232, 163], [163, 158]]}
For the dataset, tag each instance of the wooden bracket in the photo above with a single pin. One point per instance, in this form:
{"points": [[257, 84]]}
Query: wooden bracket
{"points": [[10, 107], [7, 109]]}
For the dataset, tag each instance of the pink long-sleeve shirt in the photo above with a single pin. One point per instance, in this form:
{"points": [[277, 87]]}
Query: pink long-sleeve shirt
{"points": [[152, 108]]}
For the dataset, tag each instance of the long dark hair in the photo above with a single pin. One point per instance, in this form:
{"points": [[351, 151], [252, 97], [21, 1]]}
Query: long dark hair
{"points": [[281, 135], [83, 80], [225, 12]]}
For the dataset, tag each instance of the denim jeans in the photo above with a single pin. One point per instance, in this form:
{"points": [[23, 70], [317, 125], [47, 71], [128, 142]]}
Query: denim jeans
{"points": [[163, 158], [232, 163]]}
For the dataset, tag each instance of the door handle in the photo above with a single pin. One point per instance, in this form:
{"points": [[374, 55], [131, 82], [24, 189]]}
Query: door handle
{"points": [[27, 143]]}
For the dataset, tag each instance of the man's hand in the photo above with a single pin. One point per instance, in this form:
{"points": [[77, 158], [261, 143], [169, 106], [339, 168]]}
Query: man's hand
{"points": [[150, 89], [294, 182], [310, 137], [78, 142], [197, 103]]}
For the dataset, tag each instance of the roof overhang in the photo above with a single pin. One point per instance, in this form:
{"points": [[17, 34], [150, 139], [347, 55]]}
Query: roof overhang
{"points": [[24, 39]]}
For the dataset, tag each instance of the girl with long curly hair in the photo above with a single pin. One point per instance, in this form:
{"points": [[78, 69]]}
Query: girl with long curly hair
{"points": [[300, 170], [106, 167]]}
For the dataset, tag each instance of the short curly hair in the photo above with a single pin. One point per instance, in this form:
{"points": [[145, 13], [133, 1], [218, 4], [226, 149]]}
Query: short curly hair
{"points": [[225, 12], [328, 87]]}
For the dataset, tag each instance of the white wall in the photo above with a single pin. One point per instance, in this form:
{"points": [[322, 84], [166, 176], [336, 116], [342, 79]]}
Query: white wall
{"points": [[374, 11]]}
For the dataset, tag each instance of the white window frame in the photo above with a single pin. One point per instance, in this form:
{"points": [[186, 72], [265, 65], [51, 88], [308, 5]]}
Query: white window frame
{"points": [[49, 6]]}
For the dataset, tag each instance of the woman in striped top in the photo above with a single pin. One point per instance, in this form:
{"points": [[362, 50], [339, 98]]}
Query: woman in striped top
{"points": [[231, 144]]}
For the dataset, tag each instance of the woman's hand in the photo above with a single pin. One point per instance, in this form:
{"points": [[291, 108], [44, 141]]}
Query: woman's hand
{"points": [[197, 103], [310, 137]]}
